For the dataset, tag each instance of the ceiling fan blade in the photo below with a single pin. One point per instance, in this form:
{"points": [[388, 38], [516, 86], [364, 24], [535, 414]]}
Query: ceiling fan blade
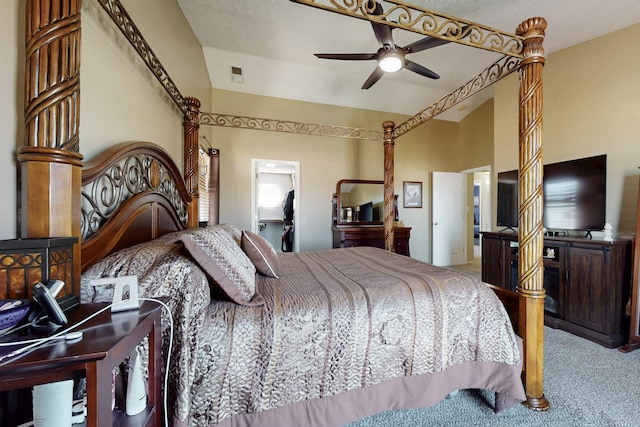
{"points": [[419, 69], [382, 32], [347, 56], [373, 78], [428, 42], [423, 44]]}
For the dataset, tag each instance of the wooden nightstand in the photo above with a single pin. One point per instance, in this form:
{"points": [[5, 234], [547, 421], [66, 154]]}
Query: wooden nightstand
{"points": [[107, 340]]}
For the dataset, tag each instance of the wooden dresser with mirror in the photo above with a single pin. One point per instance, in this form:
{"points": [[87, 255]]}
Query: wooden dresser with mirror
{"points": [[358, 217]]}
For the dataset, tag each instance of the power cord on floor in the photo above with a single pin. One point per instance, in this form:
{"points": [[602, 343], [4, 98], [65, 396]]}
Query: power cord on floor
{"points": [[169, 349]]}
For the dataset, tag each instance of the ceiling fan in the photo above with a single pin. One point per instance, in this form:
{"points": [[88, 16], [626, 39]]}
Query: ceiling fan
{"points": [[390, 57]]}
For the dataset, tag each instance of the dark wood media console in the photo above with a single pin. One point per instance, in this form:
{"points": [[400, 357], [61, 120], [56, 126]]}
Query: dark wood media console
{"points": [[587, 282]]}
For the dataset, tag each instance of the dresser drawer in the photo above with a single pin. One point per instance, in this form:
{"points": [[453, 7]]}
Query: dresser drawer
{"points": [[401, 246], [376, 243], [371, 236]]}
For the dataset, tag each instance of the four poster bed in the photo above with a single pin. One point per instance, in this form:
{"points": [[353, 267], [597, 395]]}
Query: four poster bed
{"points": [[309, 338]]}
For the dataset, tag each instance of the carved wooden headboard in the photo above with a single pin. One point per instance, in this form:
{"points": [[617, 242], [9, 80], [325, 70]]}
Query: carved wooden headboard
{"points": [[131, 193]]}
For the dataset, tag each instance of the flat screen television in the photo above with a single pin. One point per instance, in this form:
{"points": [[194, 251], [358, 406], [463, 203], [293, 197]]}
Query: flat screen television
{"points": [[508, 199], [574, 195], [366, 212]]}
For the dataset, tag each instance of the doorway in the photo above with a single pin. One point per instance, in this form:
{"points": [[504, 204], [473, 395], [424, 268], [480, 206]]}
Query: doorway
{"points": [[274, 183], [480, 202], [454, 201], [448, 216]]}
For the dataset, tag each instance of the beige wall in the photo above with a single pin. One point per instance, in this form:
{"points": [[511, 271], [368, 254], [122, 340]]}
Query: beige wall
{"points": [[11, 108], [476, 153], [591, 106], [119, 101], [167, 31], [476, 138], [324, 161]]}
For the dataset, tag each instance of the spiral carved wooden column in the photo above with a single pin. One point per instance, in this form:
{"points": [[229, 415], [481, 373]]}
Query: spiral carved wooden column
{"points": [[530, 234], [50, 162], [388, 184], [191, 174]]}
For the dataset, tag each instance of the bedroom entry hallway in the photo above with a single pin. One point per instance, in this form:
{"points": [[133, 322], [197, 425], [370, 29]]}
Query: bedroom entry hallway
{"points": [[274, 207], [479, 218], [461, 208], [480, 180]]}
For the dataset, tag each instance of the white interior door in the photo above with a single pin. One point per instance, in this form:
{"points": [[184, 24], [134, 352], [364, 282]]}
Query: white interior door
{"points": [[448, 218]]}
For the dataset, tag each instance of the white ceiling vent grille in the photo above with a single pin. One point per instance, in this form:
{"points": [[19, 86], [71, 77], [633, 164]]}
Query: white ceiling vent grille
{"points": [[236, 75]]}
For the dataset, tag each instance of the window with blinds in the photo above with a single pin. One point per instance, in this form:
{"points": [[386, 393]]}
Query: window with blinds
{"points": [[204, 163], [208, 186]]}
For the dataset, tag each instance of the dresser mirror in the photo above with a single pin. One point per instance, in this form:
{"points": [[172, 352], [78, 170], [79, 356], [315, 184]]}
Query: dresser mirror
{"points": [[360, 202]]}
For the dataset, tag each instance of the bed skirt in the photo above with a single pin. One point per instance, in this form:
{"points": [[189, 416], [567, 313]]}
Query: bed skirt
{"points": [[418, 391]]}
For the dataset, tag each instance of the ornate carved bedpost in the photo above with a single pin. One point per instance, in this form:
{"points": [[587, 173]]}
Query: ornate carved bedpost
{"points": [[191, 126], [530, 234], [50, 162], [389, 216]]}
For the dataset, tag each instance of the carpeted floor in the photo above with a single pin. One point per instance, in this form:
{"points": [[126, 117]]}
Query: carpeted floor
{"points": [[473, 268], [585, 383]]}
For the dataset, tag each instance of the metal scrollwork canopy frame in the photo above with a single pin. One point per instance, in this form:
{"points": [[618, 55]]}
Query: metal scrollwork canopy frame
{"points": [[427, 22], [411, 18], [401, 15], [123, 21], [243, 122]]}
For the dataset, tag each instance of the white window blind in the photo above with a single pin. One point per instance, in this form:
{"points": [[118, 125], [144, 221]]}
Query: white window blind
{"points": [[204, 168]]}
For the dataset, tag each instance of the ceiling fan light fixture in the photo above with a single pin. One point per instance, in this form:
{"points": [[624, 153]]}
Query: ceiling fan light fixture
{"points": [[391, 62]]}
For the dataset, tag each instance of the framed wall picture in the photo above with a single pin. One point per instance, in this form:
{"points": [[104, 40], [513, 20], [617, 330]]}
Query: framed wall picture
{"points": [[412, 194]]}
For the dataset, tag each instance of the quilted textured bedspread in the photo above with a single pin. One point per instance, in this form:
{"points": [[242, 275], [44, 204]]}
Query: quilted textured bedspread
{"points": [[337, 324], [340, 320]]}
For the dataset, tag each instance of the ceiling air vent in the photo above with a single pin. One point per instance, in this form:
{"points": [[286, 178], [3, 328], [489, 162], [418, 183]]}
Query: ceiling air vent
{"points": [[236, 75]]}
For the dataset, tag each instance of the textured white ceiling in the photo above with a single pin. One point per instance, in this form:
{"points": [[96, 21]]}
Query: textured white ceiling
{"points": [[273, 41]]}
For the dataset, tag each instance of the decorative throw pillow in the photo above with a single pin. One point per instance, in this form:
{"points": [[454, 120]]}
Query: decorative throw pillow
{"points": [[231, 229], [224, 262], [261, 253]]}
